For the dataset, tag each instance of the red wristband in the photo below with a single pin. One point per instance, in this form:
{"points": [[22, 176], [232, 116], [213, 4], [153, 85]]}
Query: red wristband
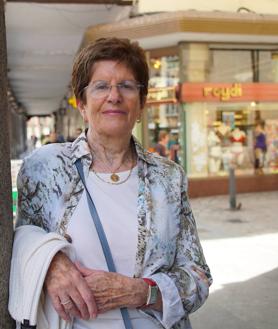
{"points": [[150, 282], [152, 292]]}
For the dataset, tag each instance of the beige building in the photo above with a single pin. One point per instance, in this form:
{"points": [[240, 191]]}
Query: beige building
{"points": [[214, 78], [256, 6]]}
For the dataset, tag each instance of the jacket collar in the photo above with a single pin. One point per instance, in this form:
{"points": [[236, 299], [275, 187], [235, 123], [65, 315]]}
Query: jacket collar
{"points": [[80, 149], [142, 153]]}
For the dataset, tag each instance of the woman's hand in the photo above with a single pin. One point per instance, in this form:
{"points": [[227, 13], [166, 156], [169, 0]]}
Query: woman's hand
{"points": [[113, 290], [68, 290]]}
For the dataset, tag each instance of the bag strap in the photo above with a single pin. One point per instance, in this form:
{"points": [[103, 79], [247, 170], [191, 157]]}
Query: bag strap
{"points": [[102, 237], [26, 325]]}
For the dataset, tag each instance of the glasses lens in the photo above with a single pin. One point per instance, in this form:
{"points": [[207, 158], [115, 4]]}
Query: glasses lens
{"points": [[99, 89], [102, 89], [128, 88]]}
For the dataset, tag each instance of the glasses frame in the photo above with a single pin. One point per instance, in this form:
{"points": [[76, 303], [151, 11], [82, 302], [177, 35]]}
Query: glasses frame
{"points": [[118, 86]]}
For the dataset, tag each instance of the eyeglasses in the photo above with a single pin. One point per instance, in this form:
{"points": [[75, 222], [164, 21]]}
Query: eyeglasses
{"points": [[102, 89]]}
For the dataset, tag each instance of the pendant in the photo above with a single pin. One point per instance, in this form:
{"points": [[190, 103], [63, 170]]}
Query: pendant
{"points": [[115, 178]]}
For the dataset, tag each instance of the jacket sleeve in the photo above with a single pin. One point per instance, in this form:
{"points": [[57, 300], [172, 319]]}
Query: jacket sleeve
{"points": [[30, 196], [185, 286]]}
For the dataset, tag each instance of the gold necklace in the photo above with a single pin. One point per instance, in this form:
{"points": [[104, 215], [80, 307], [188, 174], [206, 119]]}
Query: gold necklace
{"points": [[115, 179], [117, 182]]}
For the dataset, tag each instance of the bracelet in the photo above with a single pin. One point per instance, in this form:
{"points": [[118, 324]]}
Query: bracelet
{"points": [[152, 292], [150, 282]]}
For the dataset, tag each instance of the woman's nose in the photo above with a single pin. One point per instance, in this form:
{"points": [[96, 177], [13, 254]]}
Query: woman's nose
{"points": [[114, 94]]}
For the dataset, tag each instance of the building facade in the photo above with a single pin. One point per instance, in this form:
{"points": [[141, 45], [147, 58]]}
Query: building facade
{"points": [[213, 88], [226, 98]]}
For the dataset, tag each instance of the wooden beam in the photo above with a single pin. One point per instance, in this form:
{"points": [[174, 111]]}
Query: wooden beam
{"points": [[6, 216], [97, 2]]}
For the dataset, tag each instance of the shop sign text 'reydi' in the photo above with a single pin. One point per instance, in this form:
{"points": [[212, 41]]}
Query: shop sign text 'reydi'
{"points": [[228, 92], [223, 93]]}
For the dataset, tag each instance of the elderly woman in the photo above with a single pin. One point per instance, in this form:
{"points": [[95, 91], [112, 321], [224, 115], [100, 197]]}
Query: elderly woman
{"points": [[142, 203]]}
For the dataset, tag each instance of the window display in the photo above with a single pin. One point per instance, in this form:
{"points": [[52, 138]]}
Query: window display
{"points": [[214, 151], [229, 132], [238, 138], [244, 138], [260, 147], [271, 129], [162, 108]]}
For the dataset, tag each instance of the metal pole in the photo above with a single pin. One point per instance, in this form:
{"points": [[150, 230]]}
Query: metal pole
{"points": [[232, 188]]}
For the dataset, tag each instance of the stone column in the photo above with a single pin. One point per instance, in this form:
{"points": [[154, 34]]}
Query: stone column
{"points": [[141, 131], [194, 66], [275, 69], [6, 218]]}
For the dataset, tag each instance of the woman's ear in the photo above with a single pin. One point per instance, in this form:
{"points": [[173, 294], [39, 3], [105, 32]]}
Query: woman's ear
{"points": [[143, 102], [82, 109]]}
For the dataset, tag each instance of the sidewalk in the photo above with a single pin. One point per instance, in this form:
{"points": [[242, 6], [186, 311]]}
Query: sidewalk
{"points": [[241, 248]]}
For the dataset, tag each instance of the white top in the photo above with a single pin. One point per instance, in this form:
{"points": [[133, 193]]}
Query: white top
{"points": [[117, 209]]}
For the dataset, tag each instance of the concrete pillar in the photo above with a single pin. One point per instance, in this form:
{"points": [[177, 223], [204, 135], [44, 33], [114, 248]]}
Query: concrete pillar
{"points": [[194, 65], [6, 218], [275, 69], [18, 134]]}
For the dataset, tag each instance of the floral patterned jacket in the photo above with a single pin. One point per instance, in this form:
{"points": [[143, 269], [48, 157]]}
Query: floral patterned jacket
{"points": [[168, 249]]}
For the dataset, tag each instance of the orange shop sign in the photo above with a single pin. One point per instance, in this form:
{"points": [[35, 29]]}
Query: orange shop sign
{"points": [[228, 92]]}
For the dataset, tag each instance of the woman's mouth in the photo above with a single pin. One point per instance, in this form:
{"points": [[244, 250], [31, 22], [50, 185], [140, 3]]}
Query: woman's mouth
{"points": [[114, 112]]}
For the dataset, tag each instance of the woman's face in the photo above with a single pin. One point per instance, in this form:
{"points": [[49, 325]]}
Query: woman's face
{"points": [[111, 111]]}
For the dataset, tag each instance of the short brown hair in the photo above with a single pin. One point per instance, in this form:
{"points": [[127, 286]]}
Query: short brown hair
{"points": [[162, 134], [121, 50]]}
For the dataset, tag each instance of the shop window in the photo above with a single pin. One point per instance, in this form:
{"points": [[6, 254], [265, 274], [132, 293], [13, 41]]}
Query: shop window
{"points": [[237, 65], [230, 66], [163, 112], [227, 141], [164, 71], [164, 117], [239, 137]]}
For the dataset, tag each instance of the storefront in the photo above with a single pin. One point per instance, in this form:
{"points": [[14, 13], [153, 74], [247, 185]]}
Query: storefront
{"points": [[232, 118], [217, 121]]}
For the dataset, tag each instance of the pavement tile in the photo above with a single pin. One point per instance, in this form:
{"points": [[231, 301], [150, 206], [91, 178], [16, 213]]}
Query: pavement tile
{"points": [[241, 248]]}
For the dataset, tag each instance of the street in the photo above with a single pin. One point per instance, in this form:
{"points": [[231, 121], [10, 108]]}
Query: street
{"points": [[241, 248]]}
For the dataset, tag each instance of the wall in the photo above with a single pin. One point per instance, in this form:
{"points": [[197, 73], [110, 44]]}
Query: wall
{"points": [[17, 134], [258, 6]]}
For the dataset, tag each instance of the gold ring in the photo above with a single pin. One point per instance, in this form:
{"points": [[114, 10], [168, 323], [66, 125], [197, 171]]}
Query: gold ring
{"points": [[66, 302]]}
